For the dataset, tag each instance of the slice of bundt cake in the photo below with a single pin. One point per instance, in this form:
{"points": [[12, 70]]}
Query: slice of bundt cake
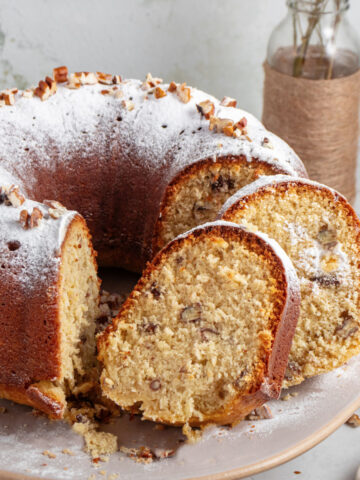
{"points": [[204, 337], [320, 232], [49, 301]]}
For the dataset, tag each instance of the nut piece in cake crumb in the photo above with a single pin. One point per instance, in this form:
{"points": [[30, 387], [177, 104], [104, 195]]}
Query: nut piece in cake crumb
{"points": [[48, 454], [2, 410], [228, 102], [354, 421]]}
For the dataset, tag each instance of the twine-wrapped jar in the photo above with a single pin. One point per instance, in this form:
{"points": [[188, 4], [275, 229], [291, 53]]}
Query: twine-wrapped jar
{"points": [[312, 89]]}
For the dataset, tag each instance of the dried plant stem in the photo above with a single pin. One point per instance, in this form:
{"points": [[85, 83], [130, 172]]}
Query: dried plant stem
{"points": [[314, 18], [336, 24]]}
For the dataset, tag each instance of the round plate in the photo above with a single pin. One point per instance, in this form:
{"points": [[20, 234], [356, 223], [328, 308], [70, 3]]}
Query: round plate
{"points": [[315, 409]]}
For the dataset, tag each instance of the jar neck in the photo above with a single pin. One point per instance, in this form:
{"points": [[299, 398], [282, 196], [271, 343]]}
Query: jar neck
{"points": [[319, 7]]}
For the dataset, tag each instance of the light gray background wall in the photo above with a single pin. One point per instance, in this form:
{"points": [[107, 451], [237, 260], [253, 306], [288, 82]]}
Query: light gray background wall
{"points": [[216, 45]]}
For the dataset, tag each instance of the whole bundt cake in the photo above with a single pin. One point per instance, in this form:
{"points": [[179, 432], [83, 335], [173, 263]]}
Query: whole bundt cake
{"points": [[204, 337], [320, 232], [141, 161]]}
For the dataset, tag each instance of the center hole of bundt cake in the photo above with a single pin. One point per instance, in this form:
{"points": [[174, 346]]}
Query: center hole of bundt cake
{"points": [[194, 337]]}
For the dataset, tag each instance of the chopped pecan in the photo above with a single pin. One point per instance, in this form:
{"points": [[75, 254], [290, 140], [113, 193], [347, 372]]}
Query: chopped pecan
{"points": [[56, 209], [221, 184], [104, 78], [116, 80], [327, 237], [191, 314], [326, 280], [200, 208], [128, 104], [155, 385], [221, 125], [60, 74], [149, 327], [354, 421], [172, 87], [159, 92], [35, 217], [24, 219], [240, 377], [228, 102], [183, 92], [206, 108], [28, 93], [150, 82], [46, 88], [241, 124], [156, 292], [267, 144], [205, 331], [8, 96], [13, 196], [88, 78], [348, 326]]}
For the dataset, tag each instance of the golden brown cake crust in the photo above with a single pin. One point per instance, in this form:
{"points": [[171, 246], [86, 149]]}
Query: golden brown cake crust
{"points": [[268, 384]]}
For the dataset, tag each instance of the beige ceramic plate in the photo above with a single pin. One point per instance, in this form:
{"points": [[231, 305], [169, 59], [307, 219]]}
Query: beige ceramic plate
{"points": [[321, 405]]}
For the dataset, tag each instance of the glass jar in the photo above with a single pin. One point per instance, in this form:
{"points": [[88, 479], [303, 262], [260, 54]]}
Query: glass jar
{"points": [[315, 41]]}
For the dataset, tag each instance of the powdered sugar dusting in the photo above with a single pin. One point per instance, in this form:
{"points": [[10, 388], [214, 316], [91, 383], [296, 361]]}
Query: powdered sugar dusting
{"points": [[80, 120], [37, 255]]}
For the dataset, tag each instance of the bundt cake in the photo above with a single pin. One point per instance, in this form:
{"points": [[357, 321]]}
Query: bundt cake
{"points": [[141, 161], [48, 301], [320, 232], [204, 337]]}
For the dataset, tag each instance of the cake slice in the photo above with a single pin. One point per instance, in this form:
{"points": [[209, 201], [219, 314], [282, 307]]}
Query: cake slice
{"points": [[49, 302], [320, 232], [204, 337]]}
